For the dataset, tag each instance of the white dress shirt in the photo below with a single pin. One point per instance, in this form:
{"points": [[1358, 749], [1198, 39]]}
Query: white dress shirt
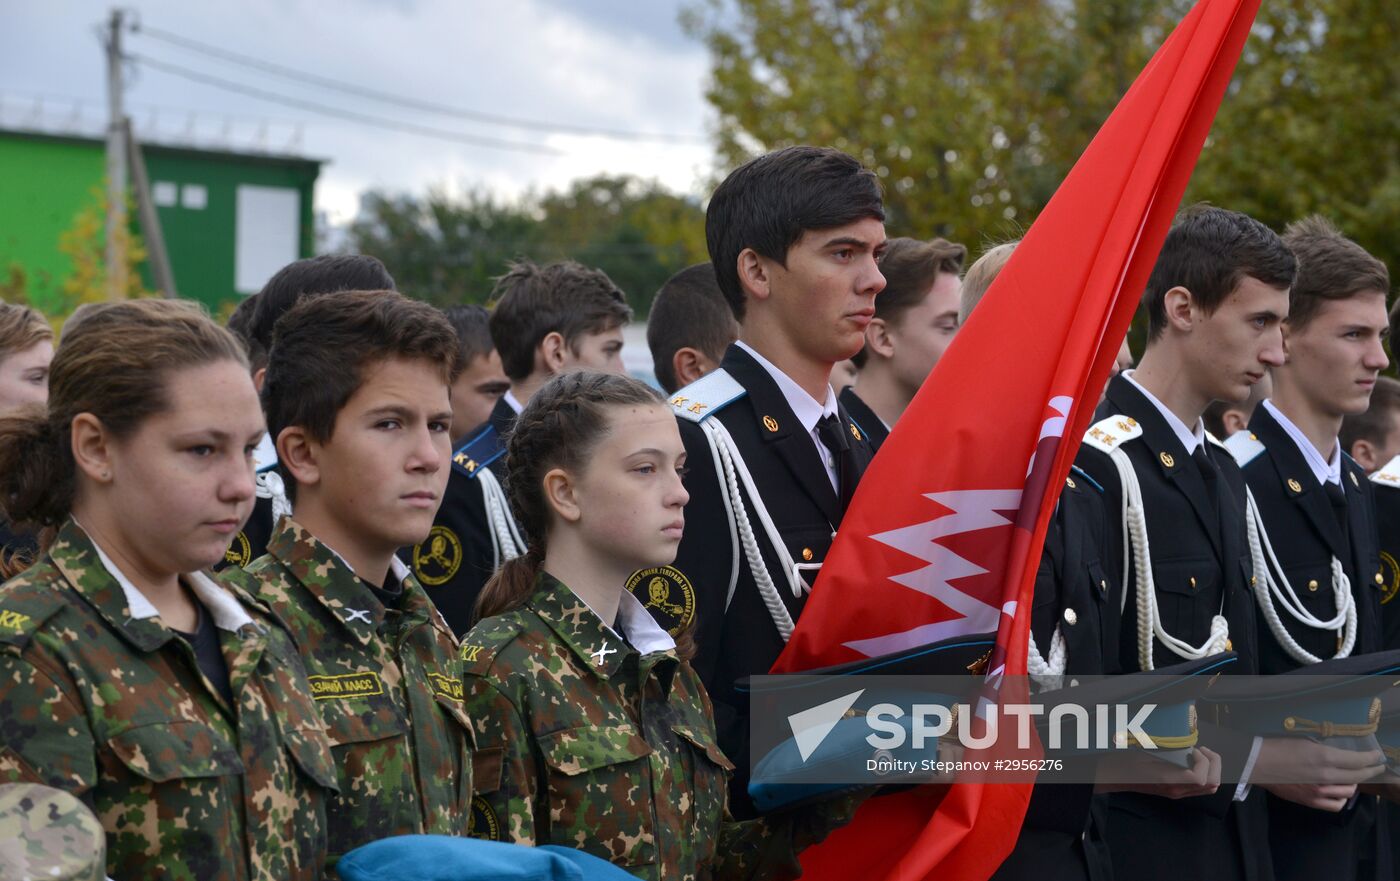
{"points": [[1190, 438], [1325, 470]]}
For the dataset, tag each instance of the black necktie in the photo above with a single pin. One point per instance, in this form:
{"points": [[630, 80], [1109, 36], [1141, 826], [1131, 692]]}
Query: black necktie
{"points": [[1338, 497], [1211, 475], [1206, 466], [833, 437]]}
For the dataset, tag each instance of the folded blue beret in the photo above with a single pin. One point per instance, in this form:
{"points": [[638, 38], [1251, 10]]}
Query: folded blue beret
{"points": [[446, 858]]}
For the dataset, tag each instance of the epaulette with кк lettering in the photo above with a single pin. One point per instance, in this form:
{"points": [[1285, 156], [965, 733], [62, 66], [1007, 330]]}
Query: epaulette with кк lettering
{"points": [[481, 644], [26, 606], [1109, 434], [1389, 475], [1245, 446], [706, 396], [485, 447]]}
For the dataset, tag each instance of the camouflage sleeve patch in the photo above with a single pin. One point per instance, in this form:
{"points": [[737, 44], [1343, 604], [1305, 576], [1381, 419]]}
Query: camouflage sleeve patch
{"points": [[483, 642], [505, 770], [47, 738]]}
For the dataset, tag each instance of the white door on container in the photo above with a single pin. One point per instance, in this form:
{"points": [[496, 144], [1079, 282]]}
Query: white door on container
{"points": [[266, 234]]}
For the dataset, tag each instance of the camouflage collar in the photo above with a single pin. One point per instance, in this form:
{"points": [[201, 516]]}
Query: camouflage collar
{"points": [[226, 612], [578, 626], [75, 555], [326, 575]]}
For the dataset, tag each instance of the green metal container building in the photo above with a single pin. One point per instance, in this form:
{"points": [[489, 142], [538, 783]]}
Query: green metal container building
{"points": [[229, 219]]}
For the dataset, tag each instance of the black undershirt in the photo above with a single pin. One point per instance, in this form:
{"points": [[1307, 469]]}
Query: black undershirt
{"points": [[390, 594], [208, 654]]}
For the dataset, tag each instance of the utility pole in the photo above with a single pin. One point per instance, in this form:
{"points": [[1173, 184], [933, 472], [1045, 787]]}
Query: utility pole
{"points": [[158, 257], [116, 163]]}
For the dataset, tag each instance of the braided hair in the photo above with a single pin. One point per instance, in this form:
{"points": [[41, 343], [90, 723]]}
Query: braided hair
{"points": [[560, 428]]}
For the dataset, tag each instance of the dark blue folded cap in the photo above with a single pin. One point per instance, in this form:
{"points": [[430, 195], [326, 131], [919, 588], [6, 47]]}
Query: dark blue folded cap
{"points": [[447, 858], [1337, 701], [957, 656], [1173, 692]]}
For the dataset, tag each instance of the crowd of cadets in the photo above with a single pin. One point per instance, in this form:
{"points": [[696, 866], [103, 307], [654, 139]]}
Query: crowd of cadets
{"points": [[473, 580]]}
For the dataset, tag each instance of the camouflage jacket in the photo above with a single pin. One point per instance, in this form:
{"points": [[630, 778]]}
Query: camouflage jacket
{"points": [[584, 742], [101, 699], [388, 685]]}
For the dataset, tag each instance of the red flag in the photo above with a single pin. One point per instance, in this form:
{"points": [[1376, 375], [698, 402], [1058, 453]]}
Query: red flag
{"points": [[945, 532]]}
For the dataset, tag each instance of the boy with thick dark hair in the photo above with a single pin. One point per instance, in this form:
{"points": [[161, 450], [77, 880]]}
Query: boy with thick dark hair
{"points": [[325, 274], [552, 318], [916, 317], [689, 327], [794, 236], [253, 322], [357, 395], [1319, 579]]}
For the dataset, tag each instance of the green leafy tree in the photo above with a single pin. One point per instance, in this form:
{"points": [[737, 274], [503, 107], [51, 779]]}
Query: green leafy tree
{"points": [[973, 111], [448, 250], [442, 249]]}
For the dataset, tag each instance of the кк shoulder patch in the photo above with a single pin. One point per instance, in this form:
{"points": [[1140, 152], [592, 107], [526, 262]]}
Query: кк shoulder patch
{"points": [[480, 645], [23, 608], [1109, 434], [478, 451], [1389, 475], [707, 395]]}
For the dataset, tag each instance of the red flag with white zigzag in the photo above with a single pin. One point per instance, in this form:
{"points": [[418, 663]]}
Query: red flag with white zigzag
{"points": [[945, 532]]}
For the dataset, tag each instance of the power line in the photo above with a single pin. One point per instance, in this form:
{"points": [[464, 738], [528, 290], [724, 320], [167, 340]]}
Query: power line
{"points": [[353, 116], [406, 101]]}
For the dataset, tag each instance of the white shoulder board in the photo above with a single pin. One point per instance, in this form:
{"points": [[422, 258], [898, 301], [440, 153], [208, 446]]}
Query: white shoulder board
{"points": [[1389, 475], [706, 395], [1109, 434], [1244, 446]]}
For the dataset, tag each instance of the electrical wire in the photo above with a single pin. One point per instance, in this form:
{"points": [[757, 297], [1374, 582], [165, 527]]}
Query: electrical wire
{"points": [[405, 101], [351, 115]]}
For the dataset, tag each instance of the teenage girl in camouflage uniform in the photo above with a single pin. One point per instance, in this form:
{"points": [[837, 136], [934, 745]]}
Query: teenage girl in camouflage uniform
{"points": [[164, 697], [593, 731]]}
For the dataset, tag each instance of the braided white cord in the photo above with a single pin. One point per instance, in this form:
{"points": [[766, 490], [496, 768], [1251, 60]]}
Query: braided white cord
{"points": [[505, 534], [713, 440], [1280, 588], [270, 486], [723, 443], [1149, 623], [1048, 673]]}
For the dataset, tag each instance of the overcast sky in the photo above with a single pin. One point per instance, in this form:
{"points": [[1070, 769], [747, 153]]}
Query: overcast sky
{"points": [[616, 64]]}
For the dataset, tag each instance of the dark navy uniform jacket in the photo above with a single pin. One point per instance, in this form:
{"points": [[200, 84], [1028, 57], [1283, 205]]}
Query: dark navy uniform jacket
{"points": [[459, 556], [1201, 567], [864, 417], [737, 637], [1386, 486], [1076, 592], [1306, 534]]}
